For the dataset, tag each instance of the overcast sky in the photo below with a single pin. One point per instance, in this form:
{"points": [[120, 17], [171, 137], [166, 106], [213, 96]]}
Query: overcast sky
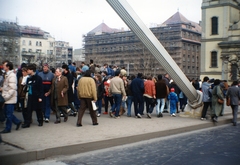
{"points": [[67, 20]]}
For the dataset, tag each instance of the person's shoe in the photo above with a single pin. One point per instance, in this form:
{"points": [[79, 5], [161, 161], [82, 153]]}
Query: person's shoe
{"points": [[105, 113], [234, 123], [74, 114], [40, 124], [173, 115], [46, 120], [160, 114], [18, 125], [165, 111], [57, 121], [98, 115], [149, 115], [117, 117], [95, 124], [5, 131], [214, 119], [79, 125], [203, 118], [111, 114], [25, 125], [139, 116], [61, 114], [65, 119]]}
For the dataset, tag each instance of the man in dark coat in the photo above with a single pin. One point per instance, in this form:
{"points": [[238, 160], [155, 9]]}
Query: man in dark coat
{"points": [[137, 88], [69, 76], [34, 97]]}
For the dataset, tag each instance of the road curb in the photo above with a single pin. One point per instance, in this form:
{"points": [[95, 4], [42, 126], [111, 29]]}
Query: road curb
{"points": [[28, 156]]}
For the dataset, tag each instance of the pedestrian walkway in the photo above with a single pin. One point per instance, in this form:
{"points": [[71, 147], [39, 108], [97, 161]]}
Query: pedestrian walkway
{"points": [[35, 143]]}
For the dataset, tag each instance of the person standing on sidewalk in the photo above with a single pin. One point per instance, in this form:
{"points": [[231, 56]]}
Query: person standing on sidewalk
{"points": [[137, 87], [70, 95], [233, 93], [117, 90], [100, 92], [87, 92], [47, 77], [59, 96], [9, 93], [149, 95], [207, 100], [173, 99], [161, 95], [107, 97], [34, 97]]}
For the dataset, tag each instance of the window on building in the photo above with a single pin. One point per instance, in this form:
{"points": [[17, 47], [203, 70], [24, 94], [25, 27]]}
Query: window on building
{"points": [[184, 58], [214, 59], [23, 49], [188, 47], [214, 25], [184, 46], [40, 43], [188, 59], [29, 50], [23, 42], [30, 43], [36, 43]]}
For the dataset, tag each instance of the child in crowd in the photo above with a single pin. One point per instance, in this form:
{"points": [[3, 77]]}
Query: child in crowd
{"points": [[173, 98]]}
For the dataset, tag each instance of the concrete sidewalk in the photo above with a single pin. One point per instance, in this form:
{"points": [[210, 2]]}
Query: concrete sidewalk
{"points": [[35, 143]]}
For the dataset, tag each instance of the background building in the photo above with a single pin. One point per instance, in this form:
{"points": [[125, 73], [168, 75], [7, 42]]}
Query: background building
{"points": [[179, 36], [30, 44], [9, 42], [36, 45], [220, 50]]}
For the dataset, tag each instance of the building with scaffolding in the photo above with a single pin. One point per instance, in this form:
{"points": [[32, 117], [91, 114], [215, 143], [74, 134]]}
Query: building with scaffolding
{"points": [[179, 36]]}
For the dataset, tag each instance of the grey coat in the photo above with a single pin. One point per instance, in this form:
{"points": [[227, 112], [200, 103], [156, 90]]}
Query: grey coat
{"points": [[234, 94], [217, 94]]}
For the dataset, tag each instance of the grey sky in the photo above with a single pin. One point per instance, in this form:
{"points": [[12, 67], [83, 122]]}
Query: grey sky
{"points": [[67, 20]]}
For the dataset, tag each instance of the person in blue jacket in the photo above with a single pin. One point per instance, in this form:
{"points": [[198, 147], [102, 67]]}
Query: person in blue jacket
{"points": [[173, 98]]}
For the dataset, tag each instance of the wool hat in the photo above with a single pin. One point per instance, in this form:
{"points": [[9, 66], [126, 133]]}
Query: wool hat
{"points": [[172, 90]]}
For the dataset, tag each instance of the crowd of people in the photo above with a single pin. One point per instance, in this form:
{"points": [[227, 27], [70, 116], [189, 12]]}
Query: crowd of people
{"points": [[70, 90]]}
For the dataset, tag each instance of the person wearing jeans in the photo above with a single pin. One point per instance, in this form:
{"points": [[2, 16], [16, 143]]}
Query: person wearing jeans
{"points": [[160, 106], [117, 90], [161, 94], [9, 93]]}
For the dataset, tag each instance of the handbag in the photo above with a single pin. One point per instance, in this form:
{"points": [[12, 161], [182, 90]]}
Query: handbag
{"points": [[1, 99], [220, 101]]}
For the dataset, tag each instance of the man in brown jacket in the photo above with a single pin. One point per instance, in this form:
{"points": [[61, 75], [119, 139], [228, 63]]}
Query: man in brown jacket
{"points": [[87, 93], [59, 96]]}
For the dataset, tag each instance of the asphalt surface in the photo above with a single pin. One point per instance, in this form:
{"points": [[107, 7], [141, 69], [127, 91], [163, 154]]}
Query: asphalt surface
{"points": [[212, 146]]}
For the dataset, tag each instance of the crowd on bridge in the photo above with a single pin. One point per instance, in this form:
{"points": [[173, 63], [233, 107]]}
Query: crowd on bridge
{"points": [[70, 90]]}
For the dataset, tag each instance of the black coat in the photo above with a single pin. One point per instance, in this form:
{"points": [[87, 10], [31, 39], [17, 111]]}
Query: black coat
{"points": [[70, 89], [34, 84]]}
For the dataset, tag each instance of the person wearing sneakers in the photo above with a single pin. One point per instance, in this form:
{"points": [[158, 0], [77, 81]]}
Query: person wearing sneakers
{"points": [[9, 93], [137, 88], [117, 90], [173, 99], [47, 77], [149, 95]]}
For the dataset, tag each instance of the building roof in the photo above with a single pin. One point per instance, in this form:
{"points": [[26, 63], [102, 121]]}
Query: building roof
{"points": [[103, 28], [178, 18]]}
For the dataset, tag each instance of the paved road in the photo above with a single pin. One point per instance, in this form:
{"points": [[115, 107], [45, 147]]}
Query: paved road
{"points": [[218, 146]]}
